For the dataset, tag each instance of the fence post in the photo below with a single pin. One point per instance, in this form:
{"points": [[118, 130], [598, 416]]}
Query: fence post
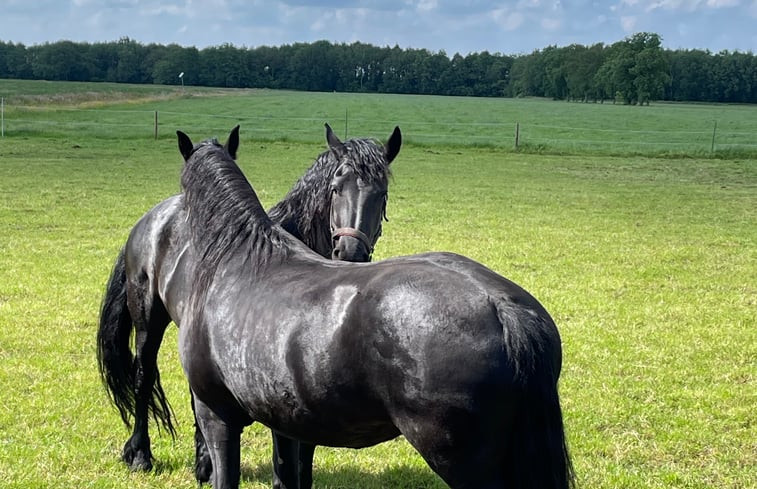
{"points": [[517, 134], [714, 128], [156, 124], [2, 117], [345, 122]]}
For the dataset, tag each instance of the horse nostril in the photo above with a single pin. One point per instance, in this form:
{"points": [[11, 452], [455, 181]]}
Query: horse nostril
{"points": [[335, 253]]}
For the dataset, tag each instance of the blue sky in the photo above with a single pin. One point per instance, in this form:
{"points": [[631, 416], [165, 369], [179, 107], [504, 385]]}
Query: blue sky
{"points": [[509, 27]]}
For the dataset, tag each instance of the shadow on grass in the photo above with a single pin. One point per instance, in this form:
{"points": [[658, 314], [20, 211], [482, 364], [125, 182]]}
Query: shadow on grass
{"points": [[340, 478], [347, 477], [397, 476]]}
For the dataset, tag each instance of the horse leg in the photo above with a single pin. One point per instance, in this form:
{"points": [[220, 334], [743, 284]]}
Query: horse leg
{"points": [[306, 464], [285, 462], [526, 450], [223, 438], [465, 468], [462, 455], [203, 463], [150, 325]]}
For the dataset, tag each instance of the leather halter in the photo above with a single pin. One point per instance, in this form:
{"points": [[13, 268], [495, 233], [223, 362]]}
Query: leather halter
{"points": [[353, 233]]}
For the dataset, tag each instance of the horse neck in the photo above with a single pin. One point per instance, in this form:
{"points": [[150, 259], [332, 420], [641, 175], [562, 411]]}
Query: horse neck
{"points": [[311, 228], [304, 212]]}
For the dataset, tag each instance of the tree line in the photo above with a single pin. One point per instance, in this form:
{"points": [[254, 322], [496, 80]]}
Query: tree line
{"points": [[635, 70]]}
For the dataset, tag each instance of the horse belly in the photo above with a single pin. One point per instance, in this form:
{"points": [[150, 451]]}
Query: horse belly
{"points": [[336, 430], [338, 419], [316, 408], [296, 382]]}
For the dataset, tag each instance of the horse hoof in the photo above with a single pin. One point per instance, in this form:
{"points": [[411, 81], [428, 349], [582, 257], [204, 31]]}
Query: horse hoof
{"points": [[203, 469], [137, 460]]}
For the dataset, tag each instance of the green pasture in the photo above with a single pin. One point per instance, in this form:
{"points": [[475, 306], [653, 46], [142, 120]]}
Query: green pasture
{"points": [[108, 110], [648, 265]]}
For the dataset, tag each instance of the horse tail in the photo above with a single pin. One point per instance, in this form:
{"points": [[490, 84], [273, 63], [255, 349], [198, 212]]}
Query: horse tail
{"points": [[537, 453], [114, 357]]}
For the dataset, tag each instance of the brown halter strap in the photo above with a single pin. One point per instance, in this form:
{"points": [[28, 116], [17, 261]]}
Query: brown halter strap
{"points": [[353, 233]]}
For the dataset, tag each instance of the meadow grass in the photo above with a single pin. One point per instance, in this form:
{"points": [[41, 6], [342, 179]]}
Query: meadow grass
{"points": [[648, 266], [128, 111]]}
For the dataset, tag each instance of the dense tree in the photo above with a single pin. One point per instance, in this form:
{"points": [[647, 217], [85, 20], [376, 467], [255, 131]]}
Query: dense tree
{"points": [[649, 69], [14, 61], [688, 75], [220, 66], [581, 65], [636, 70], [528, 76], [62, 60], [128, 67]]}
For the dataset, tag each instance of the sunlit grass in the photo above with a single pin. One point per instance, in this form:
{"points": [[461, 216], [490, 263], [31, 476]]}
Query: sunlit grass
{"points": [[648, 266]]}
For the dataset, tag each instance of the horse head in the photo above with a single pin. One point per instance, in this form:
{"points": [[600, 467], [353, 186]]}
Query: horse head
{"points": [[359, 191]]}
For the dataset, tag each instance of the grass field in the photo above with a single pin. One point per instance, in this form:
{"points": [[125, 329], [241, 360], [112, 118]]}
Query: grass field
{"points": [[648, 265], [120, 111]]}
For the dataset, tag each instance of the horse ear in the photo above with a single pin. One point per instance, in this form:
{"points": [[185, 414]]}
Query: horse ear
{"points": [[232, 144], [392, 147], [334, 143], [185, 145]]}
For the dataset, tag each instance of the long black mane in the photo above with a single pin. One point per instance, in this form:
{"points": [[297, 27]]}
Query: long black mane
{"points": [[223, 210], [304, 212]]}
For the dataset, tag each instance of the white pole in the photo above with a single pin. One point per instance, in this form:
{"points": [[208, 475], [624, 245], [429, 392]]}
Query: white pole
{"points": [[2, 117]]}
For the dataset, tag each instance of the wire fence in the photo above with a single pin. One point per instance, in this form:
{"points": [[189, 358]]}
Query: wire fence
{"points": [[531, 136]]}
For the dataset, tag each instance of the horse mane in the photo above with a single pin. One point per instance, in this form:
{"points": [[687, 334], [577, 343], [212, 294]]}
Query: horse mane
{"points": [[304, 211], [224, 213]]}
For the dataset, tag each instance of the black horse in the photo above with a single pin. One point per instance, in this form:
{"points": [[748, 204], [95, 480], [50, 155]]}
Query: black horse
{"points": [[461, 361], [336, 209]]}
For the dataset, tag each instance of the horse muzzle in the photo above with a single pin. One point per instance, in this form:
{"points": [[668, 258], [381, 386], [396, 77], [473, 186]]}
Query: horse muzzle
{"points": [[350, 244]]}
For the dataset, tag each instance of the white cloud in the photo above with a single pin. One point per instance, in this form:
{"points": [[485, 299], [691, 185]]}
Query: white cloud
{"points": [[688, 5], [507, 20], [673, 5], [427, 5], [523, 4], [628, 23], [162, 9], [551, 24], [321, 23], [723, 3]]}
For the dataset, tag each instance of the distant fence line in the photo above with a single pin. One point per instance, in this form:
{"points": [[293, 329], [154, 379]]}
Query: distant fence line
{"points": [[514, 135]]}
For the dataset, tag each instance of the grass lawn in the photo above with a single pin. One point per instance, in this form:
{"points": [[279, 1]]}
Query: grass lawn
{"points": [[109, 110], [648, 265]]}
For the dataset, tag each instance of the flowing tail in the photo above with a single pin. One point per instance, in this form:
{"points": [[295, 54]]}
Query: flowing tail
{"points": [[115, 358], [538, 455]]}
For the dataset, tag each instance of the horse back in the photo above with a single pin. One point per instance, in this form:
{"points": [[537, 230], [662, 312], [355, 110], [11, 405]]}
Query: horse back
{"points": [[319, 344]]}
